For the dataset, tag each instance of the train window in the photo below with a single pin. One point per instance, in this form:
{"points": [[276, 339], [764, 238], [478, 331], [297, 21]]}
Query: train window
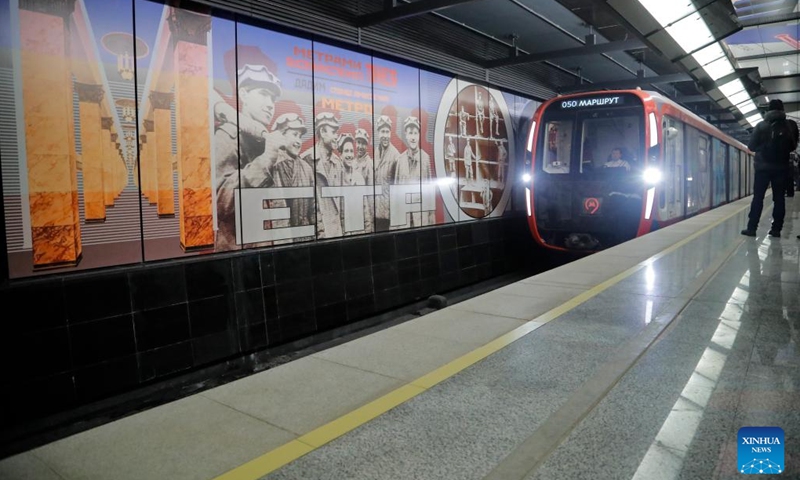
{"points": [[697, 174], [558, 149], [733, 172], [610, 143], [718, 167], [672, 204]]}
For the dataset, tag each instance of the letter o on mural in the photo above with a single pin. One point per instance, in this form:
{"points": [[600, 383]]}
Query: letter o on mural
{"points": [[473, 121]]}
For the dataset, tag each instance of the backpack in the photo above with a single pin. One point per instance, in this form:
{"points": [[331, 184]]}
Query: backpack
{"points": [[780, 142]]}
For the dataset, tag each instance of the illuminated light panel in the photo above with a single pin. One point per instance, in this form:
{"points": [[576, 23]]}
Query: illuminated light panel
{"points": [[667, 12], [731, 87], [653, 130], [651, 195], [719, 68], [691, 33], [738, 97], [530, 136], [746, 107], [528, 200], [708, 54], [753, 119]]}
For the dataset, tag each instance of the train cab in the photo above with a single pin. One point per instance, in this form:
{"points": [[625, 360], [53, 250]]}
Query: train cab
{"points": [[608, 166]]}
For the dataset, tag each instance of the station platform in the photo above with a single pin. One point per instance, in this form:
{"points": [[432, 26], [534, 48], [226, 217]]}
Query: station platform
{"points": [[638, 362]]}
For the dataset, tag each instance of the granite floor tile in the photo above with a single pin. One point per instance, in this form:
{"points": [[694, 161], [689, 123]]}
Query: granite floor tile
{"points": [[512, 306], [541, 290], [277, 397], [26, 466], [464, 327], [188, 439], [396, 354], [462, 427], [707, 322]]}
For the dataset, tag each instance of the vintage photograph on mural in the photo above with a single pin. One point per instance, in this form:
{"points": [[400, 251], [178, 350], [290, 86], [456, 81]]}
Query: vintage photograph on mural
{"points": [[203, 135], [475, 142], [402, 154], [342, 130], [268, 198]]}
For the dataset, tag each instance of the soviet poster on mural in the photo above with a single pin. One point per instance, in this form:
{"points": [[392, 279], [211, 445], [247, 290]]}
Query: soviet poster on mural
{"points": [[206, 133]]}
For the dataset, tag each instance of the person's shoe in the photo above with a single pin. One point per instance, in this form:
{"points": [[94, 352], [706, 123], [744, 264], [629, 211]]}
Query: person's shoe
{"points": [[748, 232], [774, 233]]}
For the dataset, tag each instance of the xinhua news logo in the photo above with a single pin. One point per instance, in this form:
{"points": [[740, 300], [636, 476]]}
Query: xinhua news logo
{"points": [[760, 450]]}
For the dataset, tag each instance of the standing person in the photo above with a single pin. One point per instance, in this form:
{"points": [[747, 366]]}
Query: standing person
{"points": [[486, 196], [451, 155], [363, 159], [414, 167], [385, 166], [772, 140], [468, 160], [238, 144], [494, 118], [463, 116], [351, 175], [328, 168], [480, 116], [502, 158], [290, 170]]}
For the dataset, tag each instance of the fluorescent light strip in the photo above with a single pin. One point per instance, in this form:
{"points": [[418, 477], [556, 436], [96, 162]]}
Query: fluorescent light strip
{"points": [[719, 68], [708, 54], [753, 119], [691, 33], [666, 12], [731, 87], [738, 97], [746, 107]]}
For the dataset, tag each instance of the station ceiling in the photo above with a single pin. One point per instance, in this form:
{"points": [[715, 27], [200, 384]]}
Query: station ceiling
{"points": [[547, 47], [617, 44]]}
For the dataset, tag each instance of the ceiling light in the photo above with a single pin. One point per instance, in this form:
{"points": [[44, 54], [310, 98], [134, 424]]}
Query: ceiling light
{"points": [[731, 87], [753, 119], [708, 54], [746, 107], [667, 12], [691, 33], [738, 97], [719, 68]]}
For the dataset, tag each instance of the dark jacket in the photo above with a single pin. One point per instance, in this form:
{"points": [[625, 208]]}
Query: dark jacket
{"points": [[761, 136]]}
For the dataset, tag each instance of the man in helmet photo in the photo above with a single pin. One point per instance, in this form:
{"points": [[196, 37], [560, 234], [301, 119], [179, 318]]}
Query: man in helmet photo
{"points": [[239, 143]]}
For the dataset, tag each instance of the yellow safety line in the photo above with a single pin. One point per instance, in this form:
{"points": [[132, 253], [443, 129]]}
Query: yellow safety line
{"points": [[277, 458]]}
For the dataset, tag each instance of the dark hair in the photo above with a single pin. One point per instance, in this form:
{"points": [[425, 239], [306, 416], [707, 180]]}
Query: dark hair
{"points": [[775, 104]]}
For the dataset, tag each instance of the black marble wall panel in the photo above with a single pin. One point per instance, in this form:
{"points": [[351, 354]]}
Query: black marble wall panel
{"points": [[71, 340]]}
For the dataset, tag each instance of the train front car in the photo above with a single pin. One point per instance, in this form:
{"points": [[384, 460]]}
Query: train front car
{"points": [[588, 173]]}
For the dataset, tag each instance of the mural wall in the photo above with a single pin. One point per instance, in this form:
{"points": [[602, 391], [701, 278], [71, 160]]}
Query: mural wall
{"points": [[203, 133]]}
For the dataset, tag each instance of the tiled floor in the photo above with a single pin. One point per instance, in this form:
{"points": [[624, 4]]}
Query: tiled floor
{"points": [[721, 312]]}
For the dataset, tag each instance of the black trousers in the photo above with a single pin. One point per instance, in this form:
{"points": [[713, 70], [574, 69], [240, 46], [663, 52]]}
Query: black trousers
{"points": [[763, 178]]}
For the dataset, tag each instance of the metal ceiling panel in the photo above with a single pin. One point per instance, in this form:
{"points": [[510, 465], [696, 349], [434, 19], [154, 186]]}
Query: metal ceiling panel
{"points": [[535, 35]]}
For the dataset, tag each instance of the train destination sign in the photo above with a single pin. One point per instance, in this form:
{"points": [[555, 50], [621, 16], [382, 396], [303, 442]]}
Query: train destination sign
{"points": [[605, 101]]}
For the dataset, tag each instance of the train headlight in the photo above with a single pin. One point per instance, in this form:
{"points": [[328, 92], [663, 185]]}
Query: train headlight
{"points": [[526, 177], [652, 176]]}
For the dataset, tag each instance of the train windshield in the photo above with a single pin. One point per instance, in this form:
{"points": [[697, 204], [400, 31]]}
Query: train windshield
{"points": [[558, 153], [610, 142]]}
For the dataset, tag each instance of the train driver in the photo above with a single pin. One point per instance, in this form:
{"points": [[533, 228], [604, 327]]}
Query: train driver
{"points": [[615, 160]]}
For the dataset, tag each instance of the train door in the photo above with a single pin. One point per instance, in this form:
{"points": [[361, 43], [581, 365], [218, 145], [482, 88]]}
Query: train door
{"points": [[719, 152], [670, 200], [696, 168], [733, 173]]}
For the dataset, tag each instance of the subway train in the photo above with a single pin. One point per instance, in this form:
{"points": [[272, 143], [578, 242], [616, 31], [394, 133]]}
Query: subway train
{"points": [[604, 167]]}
